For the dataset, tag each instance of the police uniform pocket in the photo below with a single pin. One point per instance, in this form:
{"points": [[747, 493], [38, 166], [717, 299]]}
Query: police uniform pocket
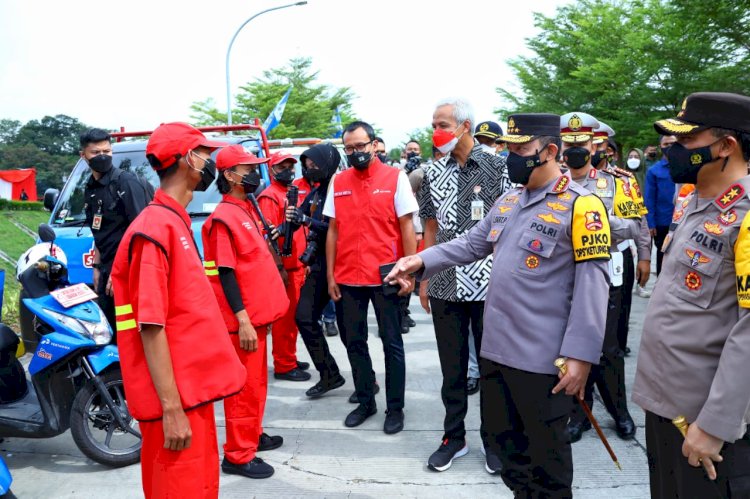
{"points": [[534, 251], [697, 274]]}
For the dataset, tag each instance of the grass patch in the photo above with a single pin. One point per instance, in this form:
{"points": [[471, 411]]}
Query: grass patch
{"points": [[14, 242], [30, 219], [10, 297]]}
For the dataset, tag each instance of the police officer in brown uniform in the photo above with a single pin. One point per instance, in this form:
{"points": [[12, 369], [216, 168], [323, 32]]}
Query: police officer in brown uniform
{"points": [[547, 298], [694, 359], [619, 196]]}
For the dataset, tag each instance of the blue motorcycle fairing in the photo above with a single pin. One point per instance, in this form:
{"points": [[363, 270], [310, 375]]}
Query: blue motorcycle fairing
{"points": [[101, 359], [5, 479], [87, 311], [55, 346]]}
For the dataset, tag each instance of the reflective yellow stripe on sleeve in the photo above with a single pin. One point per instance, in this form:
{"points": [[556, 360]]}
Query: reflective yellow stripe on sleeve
{"points": [[125, 325], [210, 267], [123, 309]]}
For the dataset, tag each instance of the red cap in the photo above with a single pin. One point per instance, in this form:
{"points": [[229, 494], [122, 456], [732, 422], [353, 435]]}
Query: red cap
{"points": [[170, 141], [279, 157], [236, 155]]}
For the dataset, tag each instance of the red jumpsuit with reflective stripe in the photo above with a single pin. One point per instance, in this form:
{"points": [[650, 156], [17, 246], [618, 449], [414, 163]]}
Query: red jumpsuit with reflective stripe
{"points": [[272, 202], [232, 239]]}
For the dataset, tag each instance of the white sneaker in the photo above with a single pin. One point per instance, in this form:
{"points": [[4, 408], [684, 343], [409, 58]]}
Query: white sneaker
{"points": [[643, 292]]}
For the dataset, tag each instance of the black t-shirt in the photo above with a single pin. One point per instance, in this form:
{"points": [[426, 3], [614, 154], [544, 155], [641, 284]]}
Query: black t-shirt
{"points": [[110, 207]]}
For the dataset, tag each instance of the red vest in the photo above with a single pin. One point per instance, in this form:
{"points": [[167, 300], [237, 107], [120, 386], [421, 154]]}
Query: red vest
{"points": [[272, 202], [205, 365], [369, 232], [260, 284]]}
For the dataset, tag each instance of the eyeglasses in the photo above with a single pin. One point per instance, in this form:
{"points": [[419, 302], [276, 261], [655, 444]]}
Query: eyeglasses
{"points": [[358, 147]]}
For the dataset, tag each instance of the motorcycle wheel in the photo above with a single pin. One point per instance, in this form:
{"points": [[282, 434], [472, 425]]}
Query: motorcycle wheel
{"points": [[94, 427]]}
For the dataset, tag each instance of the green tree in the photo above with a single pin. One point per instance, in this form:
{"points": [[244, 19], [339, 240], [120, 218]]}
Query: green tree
{"points": [[423, 136], [57, 135], [630, 63], [8, 130], [309, 110], [50, 145]]}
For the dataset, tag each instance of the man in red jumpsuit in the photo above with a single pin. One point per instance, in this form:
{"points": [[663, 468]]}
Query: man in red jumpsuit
{"points": [[251, 296], [176, 357], [272, 202]]}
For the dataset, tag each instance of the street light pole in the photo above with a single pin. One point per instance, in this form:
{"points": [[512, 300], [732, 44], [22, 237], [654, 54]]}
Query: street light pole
{"points": [[229, 51]]}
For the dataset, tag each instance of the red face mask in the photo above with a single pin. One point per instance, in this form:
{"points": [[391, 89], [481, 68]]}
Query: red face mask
{"points": [[444, 140]]}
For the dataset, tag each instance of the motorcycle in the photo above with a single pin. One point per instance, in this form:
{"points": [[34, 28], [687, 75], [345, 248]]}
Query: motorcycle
{"points": [[5, 481], [75, 380]]}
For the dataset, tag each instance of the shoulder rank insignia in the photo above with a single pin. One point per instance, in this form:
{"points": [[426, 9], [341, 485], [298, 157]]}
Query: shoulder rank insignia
{"points": [[549, 218], [561, 185], [592, 173], [621, 172], [730, 196]]}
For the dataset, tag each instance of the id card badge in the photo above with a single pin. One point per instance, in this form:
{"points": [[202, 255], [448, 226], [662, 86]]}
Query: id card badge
{"points": [[97, 222], [477, 210], [477, 206]]}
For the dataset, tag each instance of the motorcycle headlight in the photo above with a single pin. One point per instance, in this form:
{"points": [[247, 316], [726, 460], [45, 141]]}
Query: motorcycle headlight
{"points": [[99, 332]]}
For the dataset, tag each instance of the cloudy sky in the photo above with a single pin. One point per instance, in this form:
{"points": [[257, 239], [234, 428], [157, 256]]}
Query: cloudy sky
{"points": [[139, 63]]}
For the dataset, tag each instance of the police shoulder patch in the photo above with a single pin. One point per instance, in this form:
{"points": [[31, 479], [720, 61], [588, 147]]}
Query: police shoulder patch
{"points": [[590, 229], [742, 263], [625, 205]]}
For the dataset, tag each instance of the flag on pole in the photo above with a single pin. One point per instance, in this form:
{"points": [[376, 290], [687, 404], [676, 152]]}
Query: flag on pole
{"points": [[336, 120], [275, 117]]}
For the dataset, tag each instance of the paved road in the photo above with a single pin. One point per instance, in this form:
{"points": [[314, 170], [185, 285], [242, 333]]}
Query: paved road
{"points": [[322, 458]]}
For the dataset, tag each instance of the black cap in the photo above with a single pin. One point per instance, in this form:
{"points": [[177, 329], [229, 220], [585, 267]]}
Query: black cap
{"points": [[488, 129], [525, 127], [703, 110]]}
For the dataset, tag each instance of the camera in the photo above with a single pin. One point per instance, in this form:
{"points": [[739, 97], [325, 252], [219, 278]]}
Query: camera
{"points": [[308, 256], [412, 164]]}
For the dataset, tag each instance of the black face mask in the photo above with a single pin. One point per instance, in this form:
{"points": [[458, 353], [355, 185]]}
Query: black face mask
{"points": [[208, 174], [521, 167], [250, 182], [684, 164], [598, 157], [576, 157], [284, 177], [664, 150], [651, 155], [359, 160], [101, 163], [315, 175], [382, 157]]}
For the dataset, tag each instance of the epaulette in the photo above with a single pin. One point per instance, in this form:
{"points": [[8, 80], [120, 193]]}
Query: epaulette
{"points": [[617, 172]]}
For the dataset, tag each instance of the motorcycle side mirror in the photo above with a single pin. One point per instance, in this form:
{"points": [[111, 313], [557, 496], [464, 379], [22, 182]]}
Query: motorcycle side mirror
{"points": [[46, 233]]}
